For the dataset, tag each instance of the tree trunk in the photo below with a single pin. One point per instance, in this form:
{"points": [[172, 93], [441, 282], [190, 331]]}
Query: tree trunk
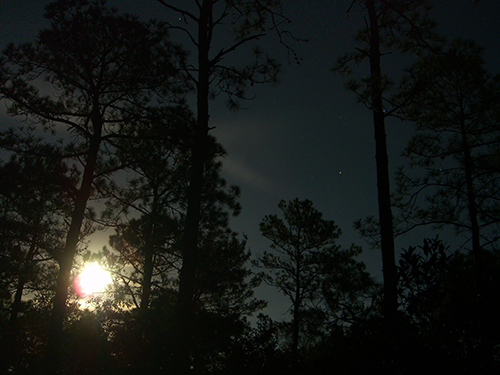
{"points": [[22, 280], [55, 341], [471, 202], [485, 348], [11, 333], [296, 316], [149, 250], [189, 243], [382, 162], [147, 274]]}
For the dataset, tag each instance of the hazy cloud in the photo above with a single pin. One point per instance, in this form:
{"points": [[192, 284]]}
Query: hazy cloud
{"points": [[241, 173]]}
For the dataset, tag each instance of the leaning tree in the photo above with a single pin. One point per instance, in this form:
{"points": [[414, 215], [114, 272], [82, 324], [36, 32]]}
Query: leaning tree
{"points": [[88, 73]]}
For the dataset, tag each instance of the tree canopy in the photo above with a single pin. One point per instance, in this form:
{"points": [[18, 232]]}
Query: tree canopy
{"points": [[114, 139]]}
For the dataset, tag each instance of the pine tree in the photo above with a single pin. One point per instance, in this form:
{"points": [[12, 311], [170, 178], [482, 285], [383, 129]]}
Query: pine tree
{"points": [[102, 70], [211, 74], [391, 26], [308, 267]]}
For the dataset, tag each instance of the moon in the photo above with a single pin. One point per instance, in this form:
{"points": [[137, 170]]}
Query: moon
{"points": [[92, 279]]}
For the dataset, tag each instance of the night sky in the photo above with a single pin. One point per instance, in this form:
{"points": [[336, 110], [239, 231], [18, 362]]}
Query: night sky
{"points": [[305, 137]]}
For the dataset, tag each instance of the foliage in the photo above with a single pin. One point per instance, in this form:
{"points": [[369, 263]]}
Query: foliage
{"points": [[452, 155], [296, 242], [390, 26], [154, 201], [34, 205], [312, 271], [234, 28], [147, 209], [207, 25], [348, 289], [403, 27], [439, 300], [86, 75]]}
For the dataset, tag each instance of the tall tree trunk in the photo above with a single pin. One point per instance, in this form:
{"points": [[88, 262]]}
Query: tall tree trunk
{"points": [[189, 243], [22, 280], [382, 162], [149, 250], [11, 333], [53, 354], [482, 316], [296, 313], [471, 202], [147, 274]]}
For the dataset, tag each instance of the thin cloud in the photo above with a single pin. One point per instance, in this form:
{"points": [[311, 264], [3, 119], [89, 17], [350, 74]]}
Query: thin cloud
{"points": [[240, 173]]}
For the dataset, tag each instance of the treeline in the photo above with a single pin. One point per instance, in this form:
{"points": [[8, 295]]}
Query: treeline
{"points": [[109, 138]]}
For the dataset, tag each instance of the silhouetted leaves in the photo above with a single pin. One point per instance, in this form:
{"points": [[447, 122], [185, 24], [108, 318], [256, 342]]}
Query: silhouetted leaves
{"points": [[313, 272], [102, 98]]}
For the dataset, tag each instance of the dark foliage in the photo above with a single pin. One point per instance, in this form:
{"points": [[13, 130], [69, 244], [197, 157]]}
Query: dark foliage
{"points": [[171, 208]]}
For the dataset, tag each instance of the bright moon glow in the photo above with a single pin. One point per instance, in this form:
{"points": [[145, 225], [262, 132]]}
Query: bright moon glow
{"points": [[92, 279]]}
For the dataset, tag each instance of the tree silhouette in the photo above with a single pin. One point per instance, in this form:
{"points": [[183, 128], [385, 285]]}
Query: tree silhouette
{"points": [[452, 155], [390, 26], [440, 303], [34, 206], [146, 255], [206, 26], [454, 145], [100, 68], [309, 268], [147, 209]]}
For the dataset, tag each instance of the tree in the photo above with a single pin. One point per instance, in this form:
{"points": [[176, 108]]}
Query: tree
{"points": [[146, 256], [348, 289], [223, 282], [440, 302], [142, 263], [33, 206], [247, 22], [147, 210], [102, 70], [453, 180], [454, 146], [390, 26], [304, 262], [224, 298]]}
